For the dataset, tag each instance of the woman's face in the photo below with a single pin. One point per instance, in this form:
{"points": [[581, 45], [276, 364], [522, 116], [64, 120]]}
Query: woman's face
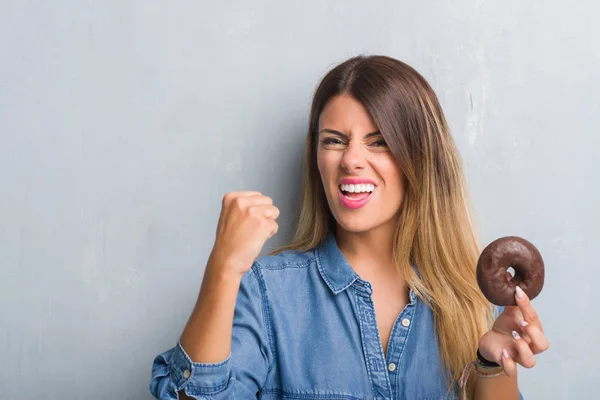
{"points": [[361, 178]]}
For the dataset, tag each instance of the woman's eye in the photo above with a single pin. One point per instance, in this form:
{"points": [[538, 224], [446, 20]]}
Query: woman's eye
{"points": [[331, 140], [380, 143]]}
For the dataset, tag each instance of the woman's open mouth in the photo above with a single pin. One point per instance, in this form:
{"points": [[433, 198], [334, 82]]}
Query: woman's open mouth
{"points": [[356, 195]]}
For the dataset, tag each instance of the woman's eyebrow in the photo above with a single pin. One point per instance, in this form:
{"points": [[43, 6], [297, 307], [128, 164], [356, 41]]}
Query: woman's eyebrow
{"points": [[344, 135]]}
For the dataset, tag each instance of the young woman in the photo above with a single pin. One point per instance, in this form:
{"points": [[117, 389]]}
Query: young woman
{"points": [[376, 297]]}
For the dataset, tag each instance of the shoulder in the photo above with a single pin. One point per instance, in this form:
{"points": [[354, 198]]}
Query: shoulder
{"points": [[285, 271], [286, 260]]}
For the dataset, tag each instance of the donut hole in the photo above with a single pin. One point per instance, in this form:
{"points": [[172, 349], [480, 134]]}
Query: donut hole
{"points": [[510, 273], [514, 275]]}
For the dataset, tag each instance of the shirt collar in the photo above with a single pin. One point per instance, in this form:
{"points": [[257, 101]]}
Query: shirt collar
{"points": [[335, 269], [333, 266]]}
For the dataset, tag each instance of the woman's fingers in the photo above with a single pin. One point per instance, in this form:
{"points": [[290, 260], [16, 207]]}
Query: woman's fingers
{"points": [[508, 364], [528, 336], [529, 313], [535, 338], [526, 357], [266, 210]]}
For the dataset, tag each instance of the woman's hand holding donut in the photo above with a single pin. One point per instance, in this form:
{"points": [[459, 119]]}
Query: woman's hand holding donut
{"points": [[516, 336], [247, 220]]}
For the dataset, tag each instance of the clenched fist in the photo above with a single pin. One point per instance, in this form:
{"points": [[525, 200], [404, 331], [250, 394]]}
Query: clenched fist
{"points": [[247, 220]]}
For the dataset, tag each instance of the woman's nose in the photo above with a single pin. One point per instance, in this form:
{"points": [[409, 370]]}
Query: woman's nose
{"points": [[354, 157]]}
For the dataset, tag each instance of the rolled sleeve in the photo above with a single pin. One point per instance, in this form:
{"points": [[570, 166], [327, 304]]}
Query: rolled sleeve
{"points": [[173, 371], [241, 375]]}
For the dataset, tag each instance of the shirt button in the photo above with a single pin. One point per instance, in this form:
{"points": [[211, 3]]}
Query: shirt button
{"points": [[392, 367], [186, 373], [406, 322]]}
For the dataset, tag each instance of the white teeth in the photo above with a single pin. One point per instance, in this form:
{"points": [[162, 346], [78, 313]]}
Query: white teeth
{"points": [[360, 188]]}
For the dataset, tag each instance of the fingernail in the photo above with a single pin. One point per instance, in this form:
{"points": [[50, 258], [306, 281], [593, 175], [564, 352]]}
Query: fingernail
{"points": [[523, 323], [504, 357], [516, 335], [520, 292]]}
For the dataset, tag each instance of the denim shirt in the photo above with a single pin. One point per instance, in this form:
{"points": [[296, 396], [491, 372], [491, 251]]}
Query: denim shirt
{"points": [[304, 328]]}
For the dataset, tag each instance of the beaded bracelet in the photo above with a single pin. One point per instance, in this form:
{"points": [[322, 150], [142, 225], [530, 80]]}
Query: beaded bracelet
{"points": [[481, 364], [479, 374], [485, 362]]}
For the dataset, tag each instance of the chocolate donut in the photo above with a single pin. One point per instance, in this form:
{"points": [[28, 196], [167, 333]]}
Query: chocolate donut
{"points": [[497, 258]]}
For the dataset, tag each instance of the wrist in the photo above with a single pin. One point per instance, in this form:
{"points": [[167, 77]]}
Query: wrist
{"points": [[222, 274], [485, 368], [225, 266], [488, 372], [485, 362]]}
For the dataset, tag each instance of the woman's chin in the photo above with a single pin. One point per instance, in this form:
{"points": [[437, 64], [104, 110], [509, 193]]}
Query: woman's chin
{"points": [[356, 225]]}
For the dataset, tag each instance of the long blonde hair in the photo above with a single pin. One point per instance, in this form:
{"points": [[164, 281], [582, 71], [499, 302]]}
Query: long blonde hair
{"points": [[435, 231]]}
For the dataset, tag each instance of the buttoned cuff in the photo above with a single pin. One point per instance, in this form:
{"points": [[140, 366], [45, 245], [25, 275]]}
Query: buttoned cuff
{"points": [[197, 378]]}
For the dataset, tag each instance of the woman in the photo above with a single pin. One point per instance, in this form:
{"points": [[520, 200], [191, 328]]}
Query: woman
{"points": [[376, 296]]}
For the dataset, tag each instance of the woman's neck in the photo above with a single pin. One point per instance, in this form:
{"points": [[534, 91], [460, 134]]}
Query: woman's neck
{"points": [[369, 253]]}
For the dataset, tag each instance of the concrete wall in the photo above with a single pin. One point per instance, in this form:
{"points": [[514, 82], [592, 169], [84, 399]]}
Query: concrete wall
{"points": [[122, 124]]}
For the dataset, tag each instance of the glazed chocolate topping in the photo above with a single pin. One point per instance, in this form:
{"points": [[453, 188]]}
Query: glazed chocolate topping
{"points": [[497, 258]]}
